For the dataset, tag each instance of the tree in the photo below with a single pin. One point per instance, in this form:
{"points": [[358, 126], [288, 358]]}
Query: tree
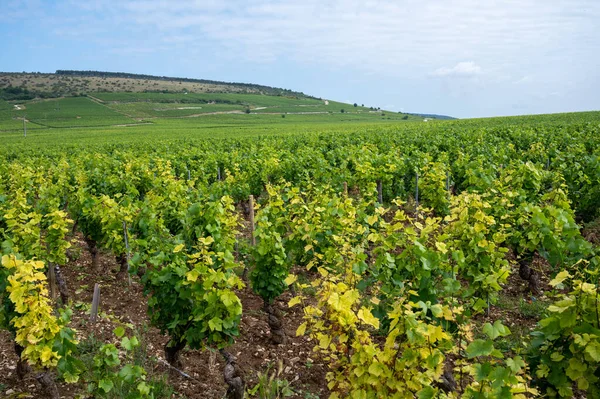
{"points": [[355, 105], [342, 111]]}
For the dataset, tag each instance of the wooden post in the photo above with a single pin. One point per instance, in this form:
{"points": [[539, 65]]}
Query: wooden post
{"points": [[345, 188], [189, 175], [62, 285], [218, 173], [380, 192], [251, 205], [447, 180], [24, 127], [127, 249], [52, 281], [95, 303]]}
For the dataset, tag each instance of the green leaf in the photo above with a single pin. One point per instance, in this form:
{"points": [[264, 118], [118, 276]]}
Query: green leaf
{"points": [[437, 310], [496, 330], [376, 369], [126, 372], [143, 389], [593, 351], [479, 347], [359, 394], [426, 393], [128, 343], [215, 324], [106, 385], [515, 364], [119, 331]]}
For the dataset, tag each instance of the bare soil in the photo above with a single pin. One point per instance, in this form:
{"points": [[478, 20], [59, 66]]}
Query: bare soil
{"points": [[122, 303]]}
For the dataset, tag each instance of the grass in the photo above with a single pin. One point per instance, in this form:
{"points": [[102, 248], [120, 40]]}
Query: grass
{"points": [[230, 98], [520, 315], [204, 111], [70, 112], [170, 110], [208, 126]]}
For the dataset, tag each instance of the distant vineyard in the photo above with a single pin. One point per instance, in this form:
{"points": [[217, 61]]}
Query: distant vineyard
{"points": [[414, 253]]}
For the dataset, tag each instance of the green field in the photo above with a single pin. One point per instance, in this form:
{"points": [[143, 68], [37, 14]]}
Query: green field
{"points": [[159, 112], [6, 117], [70, 112], [186, 104]]}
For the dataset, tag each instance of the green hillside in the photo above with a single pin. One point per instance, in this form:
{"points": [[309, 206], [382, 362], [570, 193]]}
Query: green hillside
{"points": [[79, 99], [70, 112], [118, 109]]}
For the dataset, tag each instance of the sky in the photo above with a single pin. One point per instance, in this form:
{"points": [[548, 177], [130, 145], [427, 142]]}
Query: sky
{"points": [[464, 58]]}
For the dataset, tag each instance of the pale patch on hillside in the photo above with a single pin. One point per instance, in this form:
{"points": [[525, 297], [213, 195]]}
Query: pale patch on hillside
{"points": [[67, 85]]}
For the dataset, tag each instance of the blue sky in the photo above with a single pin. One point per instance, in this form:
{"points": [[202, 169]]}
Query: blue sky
{"points": [[465, 58]]}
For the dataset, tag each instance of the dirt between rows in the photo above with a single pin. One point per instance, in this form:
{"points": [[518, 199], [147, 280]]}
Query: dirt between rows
{"points": [[127, 304]]}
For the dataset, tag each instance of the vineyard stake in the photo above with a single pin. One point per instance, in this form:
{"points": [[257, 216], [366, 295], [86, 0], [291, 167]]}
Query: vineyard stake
{"points": [[380, 192], [52, 281], [127, 249], [62, 286], [24, 127], [95, 303], [346, 188], [251, 205], [218, 173]]}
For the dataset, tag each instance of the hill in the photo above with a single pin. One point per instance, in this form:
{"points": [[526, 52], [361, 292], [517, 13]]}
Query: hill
{"points": [[119, 90], [84, 99], [74, 83]]}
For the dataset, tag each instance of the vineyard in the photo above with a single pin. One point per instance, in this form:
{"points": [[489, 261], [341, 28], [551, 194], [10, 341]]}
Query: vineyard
{"points": [[455, 259]]}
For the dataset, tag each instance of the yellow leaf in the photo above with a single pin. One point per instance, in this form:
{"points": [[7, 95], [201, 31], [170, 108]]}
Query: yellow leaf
{"points": [[323, 272], [441, 247], [290, 279], [294, 301], [178, 248], [367, 317], [560, 277], [46, 354], [479, 227], [324, 340], [301, 329]]}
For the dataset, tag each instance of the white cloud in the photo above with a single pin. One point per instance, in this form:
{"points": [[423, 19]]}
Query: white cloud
{"points": [[524, 45], [394, 38], [524, 79], [462, 69]]}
